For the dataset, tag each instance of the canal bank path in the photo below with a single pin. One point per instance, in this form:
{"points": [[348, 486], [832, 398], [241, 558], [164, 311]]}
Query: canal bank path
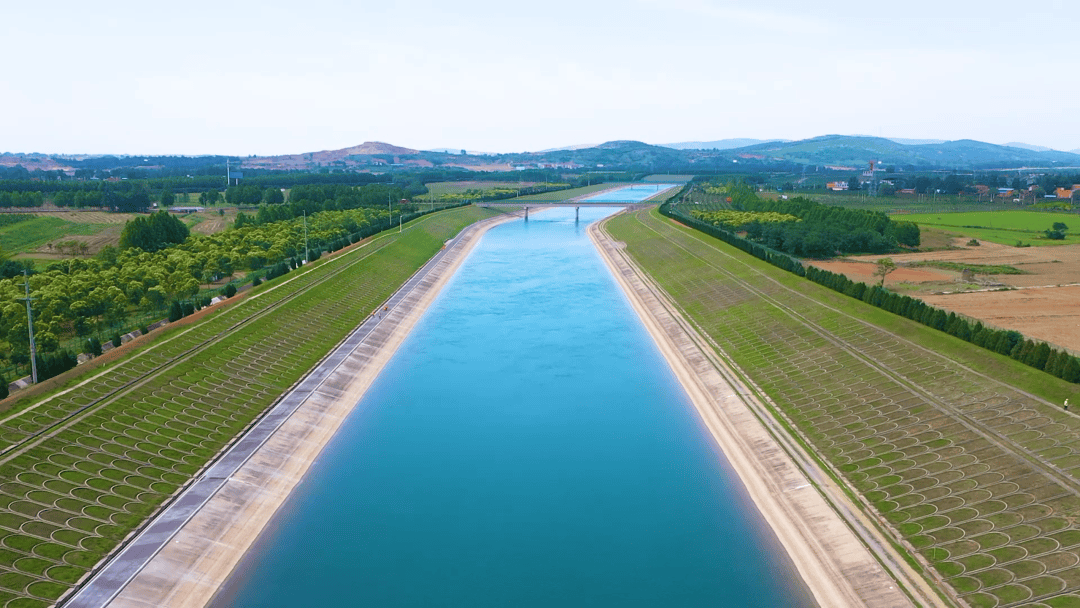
{"points": [[181, 558], [841, 559]]}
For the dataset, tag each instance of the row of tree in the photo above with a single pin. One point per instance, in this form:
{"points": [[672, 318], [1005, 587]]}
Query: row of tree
{"points": [[252, 194], [1038, 355], [80, 297], [824, 230]]}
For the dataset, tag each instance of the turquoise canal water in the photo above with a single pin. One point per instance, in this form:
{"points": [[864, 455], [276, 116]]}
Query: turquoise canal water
{"points": [[526, 446], [629, 194]]}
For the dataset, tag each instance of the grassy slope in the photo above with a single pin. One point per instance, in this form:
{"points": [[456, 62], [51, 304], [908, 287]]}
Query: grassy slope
{"points": [[838, 400], [994, 365], [66, 501]]}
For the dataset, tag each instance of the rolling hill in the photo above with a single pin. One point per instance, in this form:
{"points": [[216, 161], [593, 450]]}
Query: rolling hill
{"points": [[844, 151]]}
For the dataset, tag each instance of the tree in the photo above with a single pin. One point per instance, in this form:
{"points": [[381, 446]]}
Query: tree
{"points": [[273, 196], [167, 198], [93, 347], [884, 267], [210, 197], [1038, 356], [1060, 226], [176, 312], [1071, 370], [153, 233]]}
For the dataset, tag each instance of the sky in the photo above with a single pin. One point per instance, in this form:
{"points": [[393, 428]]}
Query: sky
{"points": [[280, 77]]}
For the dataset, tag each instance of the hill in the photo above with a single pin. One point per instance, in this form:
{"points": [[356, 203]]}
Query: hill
{"points": [[847, 150], [720, 144]]}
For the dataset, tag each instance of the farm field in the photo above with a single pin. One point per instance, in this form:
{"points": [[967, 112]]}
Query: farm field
{"points": [[210, 222], [36, 235], [82, 468], [1043, 307], [49, 235], [1002, 227], [978, 479]]}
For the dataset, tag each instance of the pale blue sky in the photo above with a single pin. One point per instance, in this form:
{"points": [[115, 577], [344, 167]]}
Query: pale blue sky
{"points": [[276, 77]]}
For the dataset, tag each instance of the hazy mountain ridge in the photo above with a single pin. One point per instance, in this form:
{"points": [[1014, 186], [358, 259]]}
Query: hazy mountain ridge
{"points": [[848, 150], [823, 151], [720, 144]]}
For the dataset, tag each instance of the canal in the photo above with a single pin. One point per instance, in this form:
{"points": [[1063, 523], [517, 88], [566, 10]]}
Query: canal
{"points": [[526, 446]]}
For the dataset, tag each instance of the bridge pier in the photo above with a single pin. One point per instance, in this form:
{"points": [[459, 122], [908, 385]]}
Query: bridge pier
{"points": [[577, 214], [526, 214]]}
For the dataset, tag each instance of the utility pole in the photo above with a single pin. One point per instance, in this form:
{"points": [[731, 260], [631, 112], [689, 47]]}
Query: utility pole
{"points": [[30, 324]]}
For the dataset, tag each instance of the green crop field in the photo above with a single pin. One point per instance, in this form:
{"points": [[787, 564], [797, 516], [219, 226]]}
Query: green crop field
{"points": [[1004, 227], [31, 234], [82, 468], [977, 478]]}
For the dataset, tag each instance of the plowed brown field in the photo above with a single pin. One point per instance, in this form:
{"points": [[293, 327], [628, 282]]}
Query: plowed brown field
{"points": [[1044, 303]]}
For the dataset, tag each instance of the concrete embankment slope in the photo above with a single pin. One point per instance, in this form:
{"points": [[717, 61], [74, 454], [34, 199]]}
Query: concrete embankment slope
{"points": [[185, 554], [834, 562]]}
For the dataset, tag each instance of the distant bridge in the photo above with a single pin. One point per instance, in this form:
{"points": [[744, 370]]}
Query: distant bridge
{"points": [[576, 205]]}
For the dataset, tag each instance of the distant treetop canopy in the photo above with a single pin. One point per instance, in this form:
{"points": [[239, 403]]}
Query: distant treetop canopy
{"points": [[152, 233]]}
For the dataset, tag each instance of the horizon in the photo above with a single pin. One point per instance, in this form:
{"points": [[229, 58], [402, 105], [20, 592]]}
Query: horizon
{"points": [[268, 79], [456, 151]]}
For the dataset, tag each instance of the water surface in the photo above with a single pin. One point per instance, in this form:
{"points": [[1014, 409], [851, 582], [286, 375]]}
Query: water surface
{"points": [[629, 194], [526, 446]]}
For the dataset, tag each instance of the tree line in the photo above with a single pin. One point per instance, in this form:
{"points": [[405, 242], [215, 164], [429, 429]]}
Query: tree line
{"points": [[823, 230]]}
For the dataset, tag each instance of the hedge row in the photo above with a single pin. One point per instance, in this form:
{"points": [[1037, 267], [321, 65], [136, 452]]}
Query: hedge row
{"points": [[1006, 342]]}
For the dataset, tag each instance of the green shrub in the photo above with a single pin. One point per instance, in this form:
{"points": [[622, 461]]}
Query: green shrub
{"points": [[175, 311], [92, 346]]}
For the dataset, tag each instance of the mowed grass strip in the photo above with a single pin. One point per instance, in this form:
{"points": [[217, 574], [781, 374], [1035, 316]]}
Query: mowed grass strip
{"points": [[69, 500], [971, 474]]}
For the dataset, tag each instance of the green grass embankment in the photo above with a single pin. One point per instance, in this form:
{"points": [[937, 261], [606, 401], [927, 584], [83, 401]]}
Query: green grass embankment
{"points": [[157, 417], [979, 477]]}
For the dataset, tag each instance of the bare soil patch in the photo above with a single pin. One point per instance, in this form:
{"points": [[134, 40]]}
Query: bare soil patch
{"points": [[57, 250], [1044, 303], [1051, 314], [863, 271], [213, 222]]}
